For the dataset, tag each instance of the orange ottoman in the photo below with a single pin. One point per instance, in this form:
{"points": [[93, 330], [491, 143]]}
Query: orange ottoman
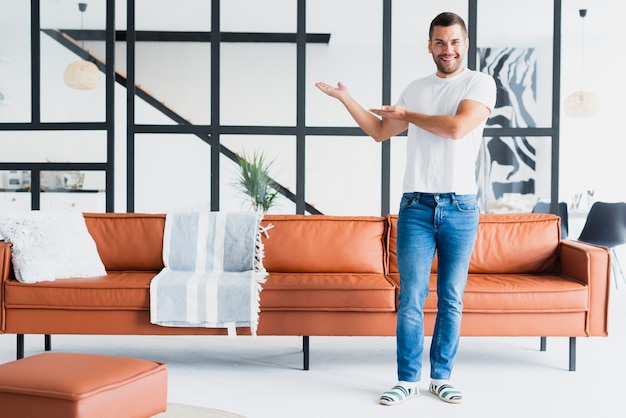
{"points": [[66, 385]]}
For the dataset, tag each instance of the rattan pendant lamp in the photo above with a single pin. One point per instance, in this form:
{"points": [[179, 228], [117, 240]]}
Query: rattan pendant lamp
{"points": [[581, 103], [82, 75]]}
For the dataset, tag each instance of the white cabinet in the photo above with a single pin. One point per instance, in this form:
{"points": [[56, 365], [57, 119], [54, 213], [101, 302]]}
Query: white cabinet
{"points": [[14, 201], [83, 201]]}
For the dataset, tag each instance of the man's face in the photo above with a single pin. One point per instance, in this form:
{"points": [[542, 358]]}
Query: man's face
{"points": [[448, 46]]}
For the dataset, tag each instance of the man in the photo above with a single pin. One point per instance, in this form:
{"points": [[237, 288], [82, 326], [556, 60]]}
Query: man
{"points": [[445, 114]]}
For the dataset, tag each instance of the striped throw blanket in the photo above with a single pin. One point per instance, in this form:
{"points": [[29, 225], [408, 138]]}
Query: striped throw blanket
{"points": [[213, 271]]}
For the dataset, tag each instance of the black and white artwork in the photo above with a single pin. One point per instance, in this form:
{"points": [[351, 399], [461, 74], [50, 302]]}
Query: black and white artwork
{"points": [[509, 165], [515, 73]]}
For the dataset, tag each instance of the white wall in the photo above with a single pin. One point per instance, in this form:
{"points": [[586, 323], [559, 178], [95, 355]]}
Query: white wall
{"points": [[259, 88]]}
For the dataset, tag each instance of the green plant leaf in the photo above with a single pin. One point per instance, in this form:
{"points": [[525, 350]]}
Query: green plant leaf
{"points": [[255, 181]]}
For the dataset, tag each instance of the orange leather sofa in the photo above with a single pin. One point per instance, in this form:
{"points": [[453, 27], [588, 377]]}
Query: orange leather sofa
{"points": [[331, 276]]}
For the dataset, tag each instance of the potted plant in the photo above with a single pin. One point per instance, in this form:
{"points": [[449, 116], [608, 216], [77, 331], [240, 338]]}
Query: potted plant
{"points": [[255, 181]]}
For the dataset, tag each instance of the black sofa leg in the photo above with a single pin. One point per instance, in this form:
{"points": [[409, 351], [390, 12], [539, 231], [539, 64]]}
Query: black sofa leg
{"points": [[572, 351], [20, 346], [572, 354], [47, 342], [543, 343], [305, 352]]}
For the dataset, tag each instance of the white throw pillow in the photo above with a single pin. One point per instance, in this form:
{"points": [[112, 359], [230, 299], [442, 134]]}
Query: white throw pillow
{"points": [[50, 245]]}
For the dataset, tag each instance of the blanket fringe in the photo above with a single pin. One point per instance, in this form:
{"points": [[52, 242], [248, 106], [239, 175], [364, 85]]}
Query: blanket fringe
{"points": [[259, 253], [259, 268]]}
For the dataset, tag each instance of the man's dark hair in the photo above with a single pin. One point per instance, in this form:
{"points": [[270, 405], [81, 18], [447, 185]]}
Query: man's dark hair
{"points": [[447, 19]]}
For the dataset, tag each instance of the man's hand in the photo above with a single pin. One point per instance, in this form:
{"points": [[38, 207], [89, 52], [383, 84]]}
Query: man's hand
{"points": [[340, 92], [390, 112]]}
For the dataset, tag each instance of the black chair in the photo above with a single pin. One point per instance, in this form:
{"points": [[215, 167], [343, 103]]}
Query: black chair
{"points": [[544, 207], [606, 226]]}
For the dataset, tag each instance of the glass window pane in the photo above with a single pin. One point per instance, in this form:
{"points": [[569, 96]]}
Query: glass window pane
{"points": [[353, 56], [253, 75], [166, 15], [174, 77], [343, 175], [53, 146], [514, 173], [172, 172], [76, 105], [73, 180], [520, 59], [259, 16], [14, 180], [280, 151], [15, 62]]}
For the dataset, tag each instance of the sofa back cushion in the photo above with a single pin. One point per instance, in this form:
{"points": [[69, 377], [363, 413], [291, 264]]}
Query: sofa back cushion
{"points": [[324, 244], [505, 244], [128, 241]]}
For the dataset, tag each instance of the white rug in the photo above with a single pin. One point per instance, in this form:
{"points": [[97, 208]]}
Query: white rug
{"points": [[176, 410]]}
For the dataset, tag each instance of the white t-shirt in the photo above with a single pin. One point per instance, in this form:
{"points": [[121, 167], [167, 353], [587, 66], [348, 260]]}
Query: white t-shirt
{"points": [[436, 164]]}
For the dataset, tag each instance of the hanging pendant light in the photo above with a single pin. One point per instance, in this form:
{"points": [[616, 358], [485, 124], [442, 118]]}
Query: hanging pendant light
{"points": [[82, 75], [581, 103]]}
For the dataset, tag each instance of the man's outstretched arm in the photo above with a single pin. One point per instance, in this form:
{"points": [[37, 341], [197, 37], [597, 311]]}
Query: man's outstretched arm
{"points": [[379, 129]]}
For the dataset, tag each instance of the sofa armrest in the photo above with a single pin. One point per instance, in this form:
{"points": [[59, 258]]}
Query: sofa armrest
{"points": [[5, 262], [5, 270], [591, 265]]}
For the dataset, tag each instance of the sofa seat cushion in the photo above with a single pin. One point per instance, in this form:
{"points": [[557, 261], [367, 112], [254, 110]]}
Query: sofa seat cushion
{"points": [[281, 291], [119, 290], [328, 292], [518, 293], [524, 293]]}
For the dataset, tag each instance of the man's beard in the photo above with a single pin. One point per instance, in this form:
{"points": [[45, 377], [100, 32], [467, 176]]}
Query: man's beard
{"points": [[445, 69]]}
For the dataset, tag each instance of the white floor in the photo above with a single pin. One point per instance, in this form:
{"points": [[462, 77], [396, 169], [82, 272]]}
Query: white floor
{"points": [[262, 377]]}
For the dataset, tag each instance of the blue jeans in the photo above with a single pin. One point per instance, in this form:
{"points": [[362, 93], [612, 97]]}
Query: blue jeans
{"points": [[446, 223]]}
